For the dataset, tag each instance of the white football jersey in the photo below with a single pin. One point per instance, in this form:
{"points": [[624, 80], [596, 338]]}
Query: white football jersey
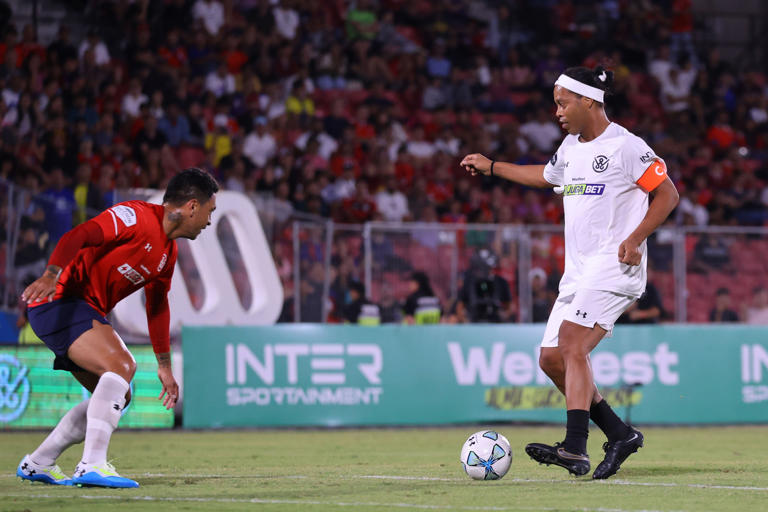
{"points": [[606, 183]]}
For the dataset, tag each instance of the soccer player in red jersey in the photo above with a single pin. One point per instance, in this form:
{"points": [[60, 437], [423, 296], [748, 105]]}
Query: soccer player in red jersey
{"points": [[94, 266]]}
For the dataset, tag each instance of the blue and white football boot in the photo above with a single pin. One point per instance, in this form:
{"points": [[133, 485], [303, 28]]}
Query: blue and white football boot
{"points": [[33, 472], [100, 475]]}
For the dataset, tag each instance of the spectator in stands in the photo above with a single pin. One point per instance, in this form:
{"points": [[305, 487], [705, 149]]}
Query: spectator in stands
{"points": [[260, 145], [358, 208], [220, 82], [336, 123], [541, 131], [722, 311], [61, 49], [235, 156], [86, 195], [219, 140], [202, 58], [661, 63], [94, 44], [210, 13], [542, 303], [327, 144], [286, 20], [134, 99], [105, 185], [149, 139], [438, 65], [676, 88], [235, 177], [359, 309], [756, 312], [391, 202], [418, 146], [421, 305], [82, 111], [361, 20], [648, 309], [391, 310], [299, 103], [58, 202], [31, 251], [689, 211], [175, 126], [711, 254]]}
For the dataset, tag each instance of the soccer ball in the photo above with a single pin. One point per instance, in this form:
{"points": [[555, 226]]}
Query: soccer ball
{"points": [[486, 455]]}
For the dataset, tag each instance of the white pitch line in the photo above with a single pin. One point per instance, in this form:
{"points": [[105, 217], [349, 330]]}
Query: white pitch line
{"points": [[574, 481], [694, 486], [196, 475], [439, 479], [395, 477], [356, 504]]}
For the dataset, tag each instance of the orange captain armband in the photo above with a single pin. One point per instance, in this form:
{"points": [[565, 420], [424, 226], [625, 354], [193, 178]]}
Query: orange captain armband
{"points": [[653, 176]]}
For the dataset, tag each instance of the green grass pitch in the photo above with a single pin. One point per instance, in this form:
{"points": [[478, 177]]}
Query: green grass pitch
{"points": [[680, 469]]}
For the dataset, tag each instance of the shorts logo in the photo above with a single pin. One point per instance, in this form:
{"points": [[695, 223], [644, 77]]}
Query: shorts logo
{"points": [[580, 313], [125, 214], [584, 189], [600, 163], [130, 274], [553, 160]]}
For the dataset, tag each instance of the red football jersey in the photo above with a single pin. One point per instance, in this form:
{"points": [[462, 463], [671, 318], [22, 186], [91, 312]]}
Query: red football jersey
{"points": [[135, 253]]}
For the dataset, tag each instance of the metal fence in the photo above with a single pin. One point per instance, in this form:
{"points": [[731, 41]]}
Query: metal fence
{"points": [[700, 274]]}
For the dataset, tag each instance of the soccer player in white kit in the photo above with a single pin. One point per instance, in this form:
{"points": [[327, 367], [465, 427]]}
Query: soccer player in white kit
{"points": [[605, 174]]}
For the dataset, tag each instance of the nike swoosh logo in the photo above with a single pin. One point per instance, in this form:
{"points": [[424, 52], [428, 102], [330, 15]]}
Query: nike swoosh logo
{"points": [[571, 456], [634, 436]]}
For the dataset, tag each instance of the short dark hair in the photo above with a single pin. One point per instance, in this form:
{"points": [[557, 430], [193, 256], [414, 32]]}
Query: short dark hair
{"points": [[599, 77], [192, 183], [358, 287]]}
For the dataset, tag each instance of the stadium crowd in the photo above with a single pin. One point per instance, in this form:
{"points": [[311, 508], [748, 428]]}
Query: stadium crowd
{"points": [[360, 110]]}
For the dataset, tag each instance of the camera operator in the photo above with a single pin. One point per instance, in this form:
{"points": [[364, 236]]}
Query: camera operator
{"points": [[485, 295]]}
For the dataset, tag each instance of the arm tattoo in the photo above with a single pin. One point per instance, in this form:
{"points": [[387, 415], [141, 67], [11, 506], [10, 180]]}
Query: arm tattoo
{"points": [[54, 270], [164, 359]]}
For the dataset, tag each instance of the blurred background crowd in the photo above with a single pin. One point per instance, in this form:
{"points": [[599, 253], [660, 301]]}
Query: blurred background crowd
{"points": [[360, 111]]}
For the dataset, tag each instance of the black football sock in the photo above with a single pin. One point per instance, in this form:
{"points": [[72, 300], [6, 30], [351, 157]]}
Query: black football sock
{"points": [[608, 421], [576, 431]]}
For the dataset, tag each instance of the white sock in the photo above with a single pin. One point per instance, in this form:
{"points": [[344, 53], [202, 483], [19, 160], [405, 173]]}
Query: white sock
{"points": [[104, 411], [69, 431]]}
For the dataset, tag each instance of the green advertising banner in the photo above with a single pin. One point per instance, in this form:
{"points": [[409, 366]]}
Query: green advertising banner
{"points": [[33, 395], [409, 375]]}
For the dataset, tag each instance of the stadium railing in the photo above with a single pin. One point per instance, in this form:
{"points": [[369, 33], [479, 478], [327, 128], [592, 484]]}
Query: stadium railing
{"points": [[317, 259]]}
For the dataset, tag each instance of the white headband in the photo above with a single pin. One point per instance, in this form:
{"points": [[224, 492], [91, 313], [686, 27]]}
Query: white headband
{"points": [[572, 85]]}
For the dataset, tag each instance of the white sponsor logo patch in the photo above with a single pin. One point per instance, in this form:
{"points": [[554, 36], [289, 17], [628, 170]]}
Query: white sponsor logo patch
{"points": [[125, 214], [162, 262], [130, 274]]}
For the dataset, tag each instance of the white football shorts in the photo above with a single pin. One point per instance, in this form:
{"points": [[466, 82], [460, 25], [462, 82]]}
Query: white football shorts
{"points": [[587, 308]]}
